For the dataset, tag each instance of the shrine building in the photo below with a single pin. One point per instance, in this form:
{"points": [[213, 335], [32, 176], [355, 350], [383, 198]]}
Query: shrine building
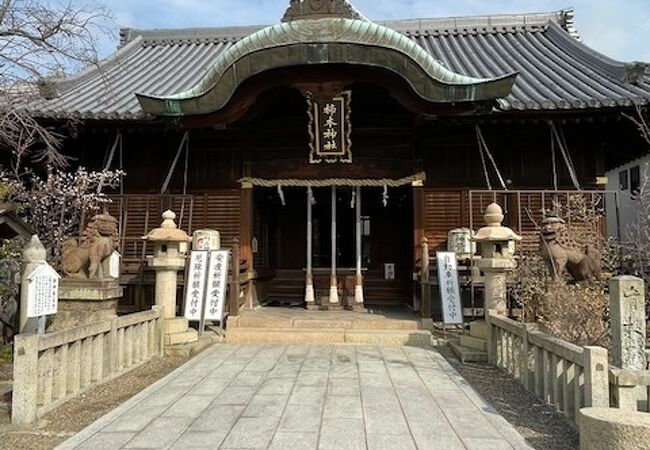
{"points": [[330, 144]]}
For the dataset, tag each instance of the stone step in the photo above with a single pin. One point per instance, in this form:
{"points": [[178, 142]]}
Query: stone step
{"points": [[328, 336], [320, 324], [176, 325], [479, 329], [194, 348], [190, 335], [472, 342], [465, 354], [420, 338]]}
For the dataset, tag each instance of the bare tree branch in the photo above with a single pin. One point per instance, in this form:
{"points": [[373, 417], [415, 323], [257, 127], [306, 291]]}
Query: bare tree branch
{"points": [[641, 122], [41, 40]]}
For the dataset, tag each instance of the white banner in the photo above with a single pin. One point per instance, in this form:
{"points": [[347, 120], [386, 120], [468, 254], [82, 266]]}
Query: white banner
{"points": [[195, 285], [452, 310], [207, 282], [217, 285]]}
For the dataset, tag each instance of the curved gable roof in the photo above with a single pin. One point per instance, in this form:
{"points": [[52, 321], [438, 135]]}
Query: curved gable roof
{"points": [[557, 72], [326, 41]]}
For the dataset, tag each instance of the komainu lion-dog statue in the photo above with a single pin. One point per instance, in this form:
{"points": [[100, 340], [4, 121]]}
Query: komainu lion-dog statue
{"points": [[95, 246], [561, 252]]}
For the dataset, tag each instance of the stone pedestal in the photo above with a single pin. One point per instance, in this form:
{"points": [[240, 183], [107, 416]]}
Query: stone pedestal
{"points": [[82, 302], [326, 303], [166, 281], [613, 429], [495, 271]]}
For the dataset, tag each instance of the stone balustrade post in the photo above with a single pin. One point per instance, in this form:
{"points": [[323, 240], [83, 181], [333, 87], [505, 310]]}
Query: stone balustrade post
{"points": [[110, 357], [33, 255], [596, 364], [159, 332], [25, 387]]}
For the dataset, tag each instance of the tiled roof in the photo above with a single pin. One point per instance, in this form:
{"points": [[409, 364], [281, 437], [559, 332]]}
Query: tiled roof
{"points": [[557, 71]]}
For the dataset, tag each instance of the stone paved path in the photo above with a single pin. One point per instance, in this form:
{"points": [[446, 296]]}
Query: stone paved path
{"points": [[305, 397]]}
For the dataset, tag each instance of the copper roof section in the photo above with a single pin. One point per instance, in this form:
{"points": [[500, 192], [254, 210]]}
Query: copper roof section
{"points": [[557, 72], [323, 41]]}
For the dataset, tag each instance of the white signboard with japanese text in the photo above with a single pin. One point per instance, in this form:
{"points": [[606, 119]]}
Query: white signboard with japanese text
{"points": [[114, 264], [389, 271], [42, 291], [195, 285], [452, 311], [207, 284], [217, 285]]}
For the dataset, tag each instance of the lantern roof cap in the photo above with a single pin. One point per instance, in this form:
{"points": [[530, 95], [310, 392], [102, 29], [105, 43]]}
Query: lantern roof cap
{"points": [[168, 231], [494, 231]]}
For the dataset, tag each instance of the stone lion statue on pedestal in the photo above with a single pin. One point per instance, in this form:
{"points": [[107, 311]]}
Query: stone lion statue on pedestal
{"points": [[561, 252], [98, 241]]}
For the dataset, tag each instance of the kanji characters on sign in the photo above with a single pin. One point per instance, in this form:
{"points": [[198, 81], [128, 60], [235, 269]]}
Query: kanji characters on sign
{"points": [[452, 310]]}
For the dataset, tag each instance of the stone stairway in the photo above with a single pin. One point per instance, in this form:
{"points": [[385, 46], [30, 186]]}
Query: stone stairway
{"points": [[295, 326], [472, 347]]}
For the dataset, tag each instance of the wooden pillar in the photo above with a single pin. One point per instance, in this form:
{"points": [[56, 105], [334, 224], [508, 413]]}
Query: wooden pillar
{"points": [[418, 218], [358, 287], [233, 309], [425, 296], [309, 278], [334, 290], [246, 239], [246, 224], [418, 236]]}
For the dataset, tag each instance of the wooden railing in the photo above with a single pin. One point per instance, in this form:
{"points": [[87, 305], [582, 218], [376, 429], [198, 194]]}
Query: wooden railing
{"points": [[564, 375], [52, 368]]}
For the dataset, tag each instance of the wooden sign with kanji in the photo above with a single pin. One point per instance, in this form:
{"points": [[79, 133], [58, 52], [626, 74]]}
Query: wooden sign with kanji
{"points": [[330, 128]]}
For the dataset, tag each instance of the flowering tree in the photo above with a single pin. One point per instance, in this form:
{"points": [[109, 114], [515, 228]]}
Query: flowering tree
{"points": [[54, 205]]}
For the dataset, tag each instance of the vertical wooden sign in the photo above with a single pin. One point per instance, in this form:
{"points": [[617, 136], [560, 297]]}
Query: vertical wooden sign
{"points": [[330, 127]]}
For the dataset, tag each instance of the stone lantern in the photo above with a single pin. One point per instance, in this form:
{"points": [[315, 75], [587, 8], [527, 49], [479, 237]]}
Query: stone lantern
{"points": [[496, 244], [170, 247]]}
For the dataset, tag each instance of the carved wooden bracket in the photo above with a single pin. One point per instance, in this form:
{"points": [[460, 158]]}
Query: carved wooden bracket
{"points": [[318, 9]]}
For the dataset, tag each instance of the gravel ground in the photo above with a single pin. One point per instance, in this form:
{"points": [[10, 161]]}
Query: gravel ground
{"points": [[539, 424], [80, 412]]}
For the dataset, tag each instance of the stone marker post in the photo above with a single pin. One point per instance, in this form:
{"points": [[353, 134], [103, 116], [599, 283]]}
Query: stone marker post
{"points": [[33, 255], [628, 328], [627, 319], [497, 260]]}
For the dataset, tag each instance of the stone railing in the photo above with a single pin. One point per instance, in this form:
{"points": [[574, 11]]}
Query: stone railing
{"points": [[564, 375], [52, 368], [630, 389]]}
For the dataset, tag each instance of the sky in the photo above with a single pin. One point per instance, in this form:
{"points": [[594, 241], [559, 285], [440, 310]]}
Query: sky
{"points": [[619, 29]]}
